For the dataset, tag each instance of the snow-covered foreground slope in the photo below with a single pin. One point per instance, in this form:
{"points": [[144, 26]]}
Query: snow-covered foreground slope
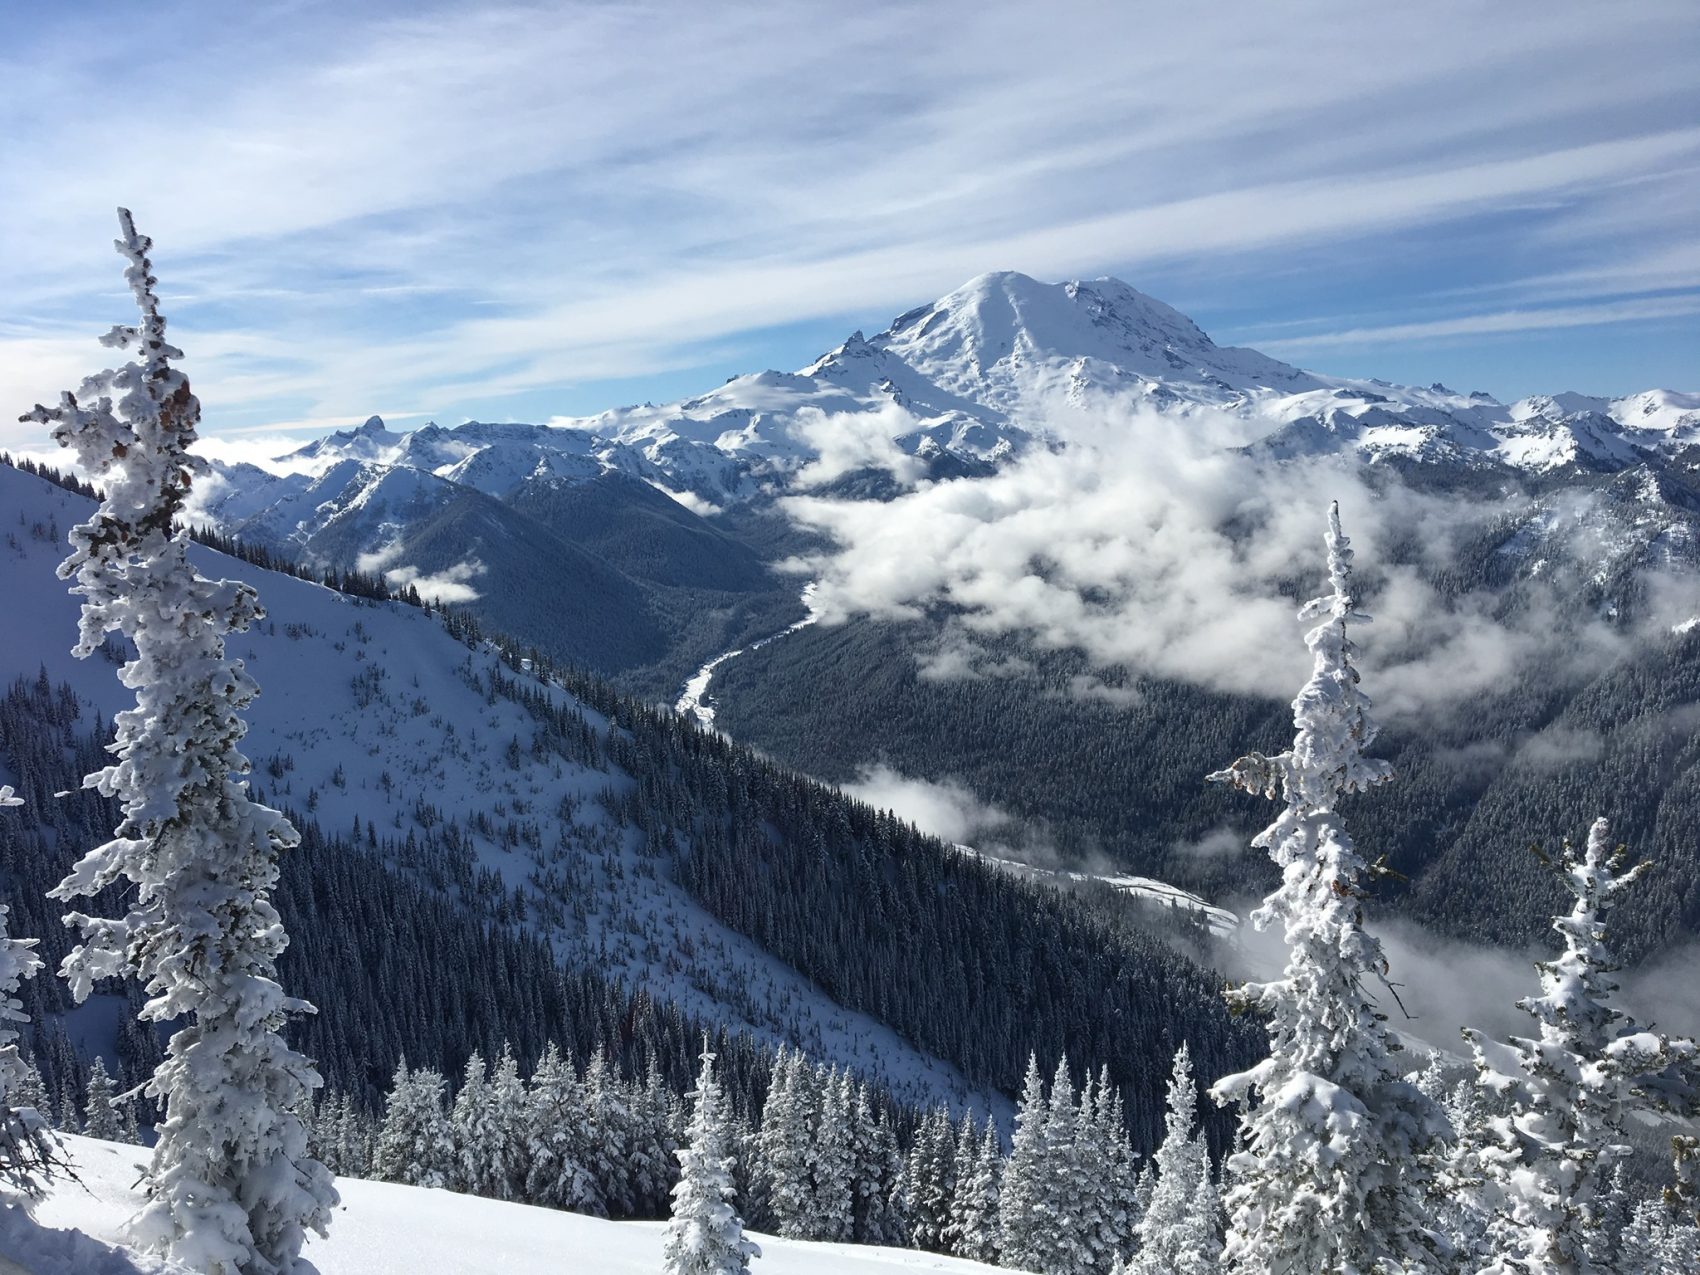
{"points": [[373, 711], [383, 1229]]}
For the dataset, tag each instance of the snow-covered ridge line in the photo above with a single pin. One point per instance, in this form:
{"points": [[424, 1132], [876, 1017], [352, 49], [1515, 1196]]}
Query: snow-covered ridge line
{"points": [[693, 699], [1221, 921]]}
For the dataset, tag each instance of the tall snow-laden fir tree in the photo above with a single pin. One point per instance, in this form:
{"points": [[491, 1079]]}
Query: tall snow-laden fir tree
{"points": [[705, 1235], [100, 1112], [416, 1141], [878, 1167], [656, 1124], [786, 1151], [27, 1149], [928, 1183], [1118, 1175], [561, 1138], [1022, 1203], [1571, 1088], [1068, 1189], [611, 1117], [833, 1160], [974, 1213], [1177, 1233], [1333, 1178], [232, 1187], [475, 1131]]}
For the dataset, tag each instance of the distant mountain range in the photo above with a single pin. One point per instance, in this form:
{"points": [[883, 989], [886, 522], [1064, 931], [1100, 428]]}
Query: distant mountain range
{"points": [[979, 376], [640, 541]]}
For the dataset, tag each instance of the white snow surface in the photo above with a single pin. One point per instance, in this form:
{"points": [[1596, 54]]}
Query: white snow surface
{"points": [[374, 709], [384, 1229]]}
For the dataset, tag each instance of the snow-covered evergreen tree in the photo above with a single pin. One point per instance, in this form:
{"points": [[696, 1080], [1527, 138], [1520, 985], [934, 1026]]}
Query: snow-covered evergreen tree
{"points": [[1121, 1208], [1065, 1213], [832, 1164], [1571, 1088], [1088, 1182], [657, 1124], [878, 1166], [786, 1129], [705, 1235], [1682, 1196], [28, 1151], [1022, 1202], [1334, 1174], [100, 1115], [416, 1141], [1176, 1235], [611, 1146], [961, 1176], [231, 1187], [472, 1117], [560, 1140], [510, 1133], [974, 1212]]}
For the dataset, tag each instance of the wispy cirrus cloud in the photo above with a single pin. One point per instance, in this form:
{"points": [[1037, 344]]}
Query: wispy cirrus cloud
{"points": [[1530, 320], [476, 209]]}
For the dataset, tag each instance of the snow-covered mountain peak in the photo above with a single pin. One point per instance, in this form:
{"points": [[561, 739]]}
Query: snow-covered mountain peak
{"points": [[1007, 340], [371, 441]]}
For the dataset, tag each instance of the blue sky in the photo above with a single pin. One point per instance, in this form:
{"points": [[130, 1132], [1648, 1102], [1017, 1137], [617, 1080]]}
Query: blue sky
{"points": [[522, 212]]}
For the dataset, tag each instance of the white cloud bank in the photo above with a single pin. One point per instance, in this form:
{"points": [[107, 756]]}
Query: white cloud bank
{"points": [[1149, 546]]}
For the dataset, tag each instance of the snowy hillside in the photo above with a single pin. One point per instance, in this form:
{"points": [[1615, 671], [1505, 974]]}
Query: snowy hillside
{"points": [[384, 1229], [372, 711]]}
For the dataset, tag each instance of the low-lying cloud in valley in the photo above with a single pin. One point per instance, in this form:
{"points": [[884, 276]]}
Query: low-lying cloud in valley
{"points": [[1155, 545], [451, 585]]}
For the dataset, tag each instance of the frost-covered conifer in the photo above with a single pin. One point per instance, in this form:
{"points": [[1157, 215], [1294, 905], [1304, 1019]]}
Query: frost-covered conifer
{"points": [[557, 1175], [1119, 1175], [974, 1216], [1334, 1174], [1571, 1088], [611, 1148], [1059, 1233], [1682, 1196], [786, 1120], [1176, 1235], [832, 1159], [961, 1176], [100, 1117], [1086, 1183], [877, 1167], [705, 1235], [28, 1151], [928, 1182], [477, 1132], [1022, 1204], [416, 1141], [654, 1168], [232, 1187], [509, 1133]]}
